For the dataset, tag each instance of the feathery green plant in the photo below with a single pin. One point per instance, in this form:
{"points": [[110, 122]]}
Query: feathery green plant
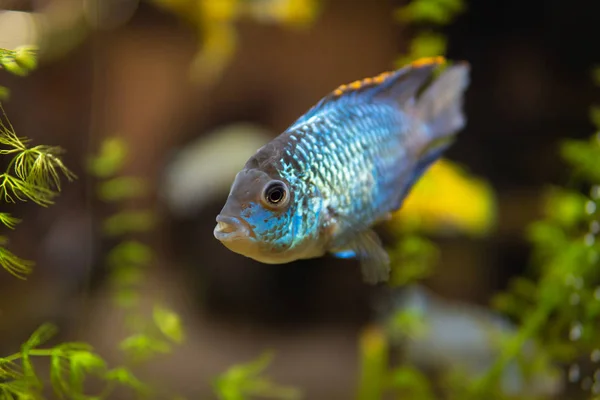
{"points": [[560, 307], [33, 172], [245, 381], [129, 259], [72, 365]]}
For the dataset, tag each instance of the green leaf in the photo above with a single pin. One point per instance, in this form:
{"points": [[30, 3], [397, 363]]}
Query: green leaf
{"points": [[413, 258], [4, 93], [26, 57], [126, 297], [130, 252], [406, 323], [428, 11], [565, 207], [125, 377], [243, 381], [9, 63], [141, 346], [42, 335], [427, 44], [127, 275], [41, 166], [13, 189], [374, 350], [169, 323], [129, 222], [112, 157], [16, 266], [410, 383], [8, 220], [584, 156], [121, 188]]}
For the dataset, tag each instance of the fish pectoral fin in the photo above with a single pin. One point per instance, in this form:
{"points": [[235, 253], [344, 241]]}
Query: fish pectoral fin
{"points": [[374, 260]]}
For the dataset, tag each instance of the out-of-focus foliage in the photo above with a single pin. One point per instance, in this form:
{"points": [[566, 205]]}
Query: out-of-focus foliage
{"points": [[215, 23], [20, 61], [33, 172], [130, 258], [560, 305], [247, 381], [427, 14], [72, 366]]}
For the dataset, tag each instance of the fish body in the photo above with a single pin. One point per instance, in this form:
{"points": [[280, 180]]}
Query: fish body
{"points": [[345, 165]]}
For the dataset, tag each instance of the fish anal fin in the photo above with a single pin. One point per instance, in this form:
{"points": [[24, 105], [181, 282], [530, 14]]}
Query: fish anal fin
{"points": [[367, 248]]}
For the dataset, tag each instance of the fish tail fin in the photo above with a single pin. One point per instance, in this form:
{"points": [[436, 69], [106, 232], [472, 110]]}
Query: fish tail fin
{"points": [[440, 106]]}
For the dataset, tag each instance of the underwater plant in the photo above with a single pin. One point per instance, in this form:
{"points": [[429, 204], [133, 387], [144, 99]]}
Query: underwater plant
{"points": [[34, 174]]}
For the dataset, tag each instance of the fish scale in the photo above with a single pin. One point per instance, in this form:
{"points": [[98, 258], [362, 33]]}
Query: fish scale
{"points": [[370, 149]]}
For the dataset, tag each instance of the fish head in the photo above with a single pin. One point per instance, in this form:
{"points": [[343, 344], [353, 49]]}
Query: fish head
{"points": [[257, 219]]}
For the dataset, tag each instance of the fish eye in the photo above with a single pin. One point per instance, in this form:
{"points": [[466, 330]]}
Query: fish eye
{"points": [[275, 193]]}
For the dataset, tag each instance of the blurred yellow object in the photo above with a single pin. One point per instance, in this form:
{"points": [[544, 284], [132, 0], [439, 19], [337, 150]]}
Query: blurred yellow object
{"points": [[214, 21], [296, 13], [447, 198]]}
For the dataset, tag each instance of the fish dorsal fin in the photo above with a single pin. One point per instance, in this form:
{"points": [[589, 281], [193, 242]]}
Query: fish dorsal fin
{"points": [[397, 86]]}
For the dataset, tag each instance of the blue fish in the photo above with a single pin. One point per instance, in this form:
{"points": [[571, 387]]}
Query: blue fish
{"points": [[345, 165]]}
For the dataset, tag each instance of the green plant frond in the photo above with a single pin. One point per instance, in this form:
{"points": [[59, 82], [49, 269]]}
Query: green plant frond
{"points": [[130, 252], [4, 93], [71, 365], [9, 369], [8, 137], [122, 188], [111, 158], [129, 222], [42, 335], [169, 323], [34, 172], [8, 220], [16, 266], [41, 166], [142, 346], [13, 189], [243, 381], [20, 61], [125, 377]]}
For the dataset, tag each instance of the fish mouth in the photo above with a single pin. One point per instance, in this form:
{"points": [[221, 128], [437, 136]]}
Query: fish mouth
{"points": [[231, 228]]}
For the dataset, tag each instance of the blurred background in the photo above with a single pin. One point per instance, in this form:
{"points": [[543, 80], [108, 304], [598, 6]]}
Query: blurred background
{"points": [[193, 93]]}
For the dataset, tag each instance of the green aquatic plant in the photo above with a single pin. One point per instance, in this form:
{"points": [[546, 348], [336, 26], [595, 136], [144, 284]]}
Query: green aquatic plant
{"points": [[129, 259], [426, 16], [72, 366], [20, 61], [33, 173], [247, 380], [558, 305]]}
